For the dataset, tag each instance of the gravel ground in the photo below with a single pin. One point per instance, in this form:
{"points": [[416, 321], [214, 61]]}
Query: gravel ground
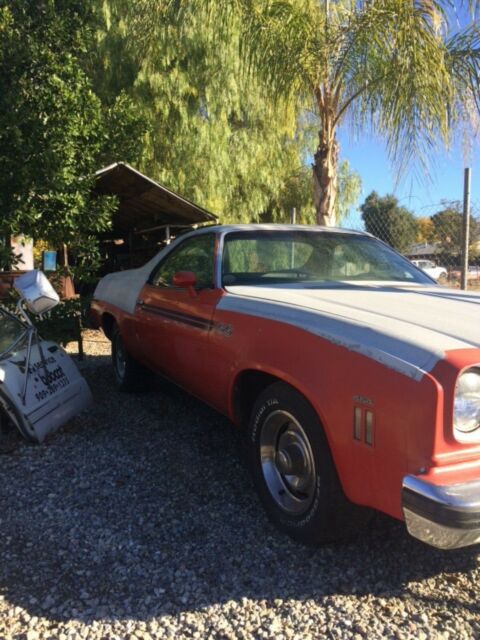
{"points": [[138, 520]]}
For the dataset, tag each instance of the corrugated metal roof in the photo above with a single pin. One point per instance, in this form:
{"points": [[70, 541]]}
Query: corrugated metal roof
{"points": [[144, 203]]}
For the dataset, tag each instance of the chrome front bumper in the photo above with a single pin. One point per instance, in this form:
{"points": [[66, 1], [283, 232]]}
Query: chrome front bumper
{"points": [[446, 517]]}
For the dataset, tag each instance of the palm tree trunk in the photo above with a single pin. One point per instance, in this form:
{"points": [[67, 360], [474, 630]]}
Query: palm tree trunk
{"points": [[325, 178]]}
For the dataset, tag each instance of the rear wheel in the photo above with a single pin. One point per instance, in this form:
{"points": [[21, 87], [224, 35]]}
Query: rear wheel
{"points": [[294, 472], [129, 374]]}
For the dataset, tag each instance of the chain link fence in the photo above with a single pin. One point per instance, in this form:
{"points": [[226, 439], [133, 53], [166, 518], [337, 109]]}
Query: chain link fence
{"points": [[434, 243]]}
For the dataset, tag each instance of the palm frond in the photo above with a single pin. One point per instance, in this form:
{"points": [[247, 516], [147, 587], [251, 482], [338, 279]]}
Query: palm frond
{"points": [[401, 68], [280, 42], [403, 80], [463, 62]]}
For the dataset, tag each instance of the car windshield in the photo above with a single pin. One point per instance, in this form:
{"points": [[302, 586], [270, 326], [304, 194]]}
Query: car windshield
{"points": [[11, 332], [275, 257]]}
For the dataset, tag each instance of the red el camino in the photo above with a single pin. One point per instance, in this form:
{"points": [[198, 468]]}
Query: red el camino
{"points": [[355, 376]]}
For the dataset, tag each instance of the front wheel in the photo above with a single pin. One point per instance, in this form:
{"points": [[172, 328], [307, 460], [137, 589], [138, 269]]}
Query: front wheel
{"points": [[294, 472], [129, 374]]}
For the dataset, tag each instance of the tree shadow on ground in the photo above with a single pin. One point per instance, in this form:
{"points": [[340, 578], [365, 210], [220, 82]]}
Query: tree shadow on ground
{"points": [[143, 507]]}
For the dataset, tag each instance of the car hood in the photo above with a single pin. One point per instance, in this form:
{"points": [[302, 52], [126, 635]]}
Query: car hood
{"points": [[408, 328]]}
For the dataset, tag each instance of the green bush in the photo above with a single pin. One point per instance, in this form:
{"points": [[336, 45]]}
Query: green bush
{"points": [[65, 321]]}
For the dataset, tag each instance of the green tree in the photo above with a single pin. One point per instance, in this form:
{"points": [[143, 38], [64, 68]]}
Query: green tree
{"points": [[400, 68], [297, 192], [425, 231], [448, 227], [213, 135], [112, 69], [349, 189], [51, 128], [384, 219]]}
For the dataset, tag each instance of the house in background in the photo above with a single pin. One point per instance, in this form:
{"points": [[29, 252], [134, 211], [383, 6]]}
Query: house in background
{"points": [[148, 216], [23, 248], [423, 250]]}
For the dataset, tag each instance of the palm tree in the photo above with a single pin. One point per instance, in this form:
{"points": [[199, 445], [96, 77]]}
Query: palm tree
{"points": [[395, 67], [402, 69]]}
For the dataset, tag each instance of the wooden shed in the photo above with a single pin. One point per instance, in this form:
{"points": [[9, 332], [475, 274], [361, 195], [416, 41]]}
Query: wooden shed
{"points": [[148, 215]]}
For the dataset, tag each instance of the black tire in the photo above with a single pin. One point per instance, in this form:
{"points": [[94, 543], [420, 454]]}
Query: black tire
{"points": [[285, 435], [129, 375]]}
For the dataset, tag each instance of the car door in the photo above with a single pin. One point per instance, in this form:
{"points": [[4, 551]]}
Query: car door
{"points": [[173, 324]]}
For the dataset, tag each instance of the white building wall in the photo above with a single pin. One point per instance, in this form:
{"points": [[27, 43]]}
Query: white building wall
{"points": [[23, 247]]}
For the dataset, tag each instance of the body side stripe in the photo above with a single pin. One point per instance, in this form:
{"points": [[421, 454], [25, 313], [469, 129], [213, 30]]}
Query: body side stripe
{"points": [[355, 337], [183, 318]]}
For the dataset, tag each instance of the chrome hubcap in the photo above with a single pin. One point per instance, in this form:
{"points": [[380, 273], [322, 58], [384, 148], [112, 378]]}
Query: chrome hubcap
{"points": [[120, 357], [288, 464]]}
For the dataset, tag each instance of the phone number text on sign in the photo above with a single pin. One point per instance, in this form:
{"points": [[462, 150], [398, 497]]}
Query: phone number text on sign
{"points": [[53, 381]]}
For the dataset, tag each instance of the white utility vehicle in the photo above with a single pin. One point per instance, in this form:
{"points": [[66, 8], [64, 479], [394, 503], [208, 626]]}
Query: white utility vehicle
{"points": [[431, 269], [40, 386]]}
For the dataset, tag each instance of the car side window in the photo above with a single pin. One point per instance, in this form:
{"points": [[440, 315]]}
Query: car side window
{"points": [[195, 254]]}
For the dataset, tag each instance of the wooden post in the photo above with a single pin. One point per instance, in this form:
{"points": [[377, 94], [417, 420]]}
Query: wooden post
{"points": [[466, 228], [78, 331]]}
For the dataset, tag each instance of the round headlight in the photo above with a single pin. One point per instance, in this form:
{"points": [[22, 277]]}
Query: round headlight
{"points": [[467, 403]]}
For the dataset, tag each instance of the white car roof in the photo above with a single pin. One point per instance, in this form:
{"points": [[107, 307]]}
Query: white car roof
{"points": [[229, 228]]}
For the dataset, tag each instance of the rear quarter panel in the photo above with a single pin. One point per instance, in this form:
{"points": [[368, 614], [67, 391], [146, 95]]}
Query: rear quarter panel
{"points": [[102, 314]]}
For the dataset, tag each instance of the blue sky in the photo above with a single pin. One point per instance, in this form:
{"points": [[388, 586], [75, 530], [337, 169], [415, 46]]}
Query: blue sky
{"points": [[419, 193]]}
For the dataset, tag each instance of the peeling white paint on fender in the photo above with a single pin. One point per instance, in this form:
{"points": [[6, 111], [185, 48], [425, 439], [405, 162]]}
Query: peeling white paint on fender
{"points": [[121, 289], [404, 328], [348, 335]]}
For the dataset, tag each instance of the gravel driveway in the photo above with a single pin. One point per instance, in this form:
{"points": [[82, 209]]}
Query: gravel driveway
{"points": [[139, 520]]}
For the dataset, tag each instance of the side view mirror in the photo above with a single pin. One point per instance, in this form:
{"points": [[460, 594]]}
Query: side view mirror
{"points": [[184, 279], [36, 292]]}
